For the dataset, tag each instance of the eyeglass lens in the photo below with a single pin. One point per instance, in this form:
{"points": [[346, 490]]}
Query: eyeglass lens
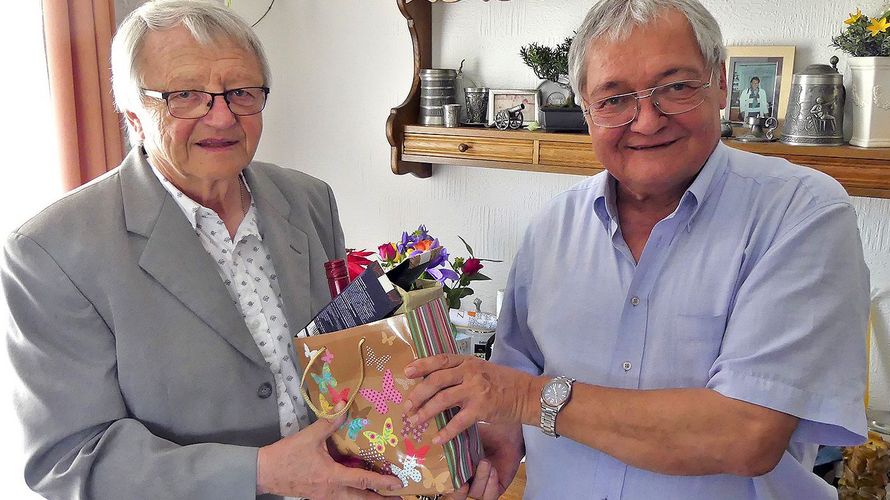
{"points": [[195, 104], [671, 99]]}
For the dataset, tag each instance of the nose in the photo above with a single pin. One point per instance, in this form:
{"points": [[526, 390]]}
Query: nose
{"points": [[219, 115], [649, 118]]}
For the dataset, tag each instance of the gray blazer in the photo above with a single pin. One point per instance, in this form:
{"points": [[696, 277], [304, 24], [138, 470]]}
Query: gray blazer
{"points": [[137, 376]]}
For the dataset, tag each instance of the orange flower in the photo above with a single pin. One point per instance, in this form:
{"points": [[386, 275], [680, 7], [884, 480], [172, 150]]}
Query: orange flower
{"points": [[423, 245]]}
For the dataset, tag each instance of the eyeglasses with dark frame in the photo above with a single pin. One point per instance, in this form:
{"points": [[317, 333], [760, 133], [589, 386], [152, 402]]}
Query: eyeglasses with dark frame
{"points": [[670, 99], [194, 104]]}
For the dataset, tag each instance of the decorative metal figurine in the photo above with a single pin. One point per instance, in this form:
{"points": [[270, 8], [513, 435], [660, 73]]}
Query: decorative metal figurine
{"points": [[509, 118]]}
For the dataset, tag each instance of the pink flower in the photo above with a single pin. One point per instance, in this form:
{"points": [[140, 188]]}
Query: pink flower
{"points": [[387, 252], [472, 266]]}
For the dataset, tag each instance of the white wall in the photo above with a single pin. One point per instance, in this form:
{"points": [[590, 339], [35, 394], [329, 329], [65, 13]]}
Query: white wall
{"points": [[340, 65]]}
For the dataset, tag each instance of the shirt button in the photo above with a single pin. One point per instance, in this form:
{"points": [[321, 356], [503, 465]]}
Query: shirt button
{"points": [[626, 365], [265, 390], [635, 301]]}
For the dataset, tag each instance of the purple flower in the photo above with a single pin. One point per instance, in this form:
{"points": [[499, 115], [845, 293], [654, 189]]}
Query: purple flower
{"points": [[441, 274], [442, 258], [404, 243]]}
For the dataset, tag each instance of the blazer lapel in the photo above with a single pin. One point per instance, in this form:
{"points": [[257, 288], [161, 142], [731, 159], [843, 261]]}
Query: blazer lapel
{"points": [[173, 255], [288, 245]]}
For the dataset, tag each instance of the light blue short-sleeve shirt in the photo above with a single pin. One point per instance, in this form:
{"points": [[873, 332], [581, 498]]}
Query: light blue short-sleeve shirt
{"points": [[755, 287]]}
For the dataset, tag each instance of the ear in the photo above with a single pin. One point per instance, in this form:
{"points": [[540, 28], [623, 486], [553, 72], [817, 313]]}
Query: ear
{"points": [[723, 85], [135, 125]]}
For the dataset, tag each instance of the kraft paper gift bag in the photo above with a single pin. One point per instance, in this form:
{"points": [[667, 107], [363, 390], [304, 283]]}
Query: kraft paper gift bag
{"points": [[363, 367]]}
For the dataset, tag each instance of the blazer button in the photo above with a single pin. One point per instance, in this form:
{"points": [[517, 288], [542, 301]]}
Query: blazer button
{"points": [[265, 390]]}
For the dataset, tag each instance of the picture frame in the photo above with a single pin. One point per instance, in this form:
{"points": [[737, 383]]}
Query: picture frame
{"points": [[753, 72], [499, 99]]}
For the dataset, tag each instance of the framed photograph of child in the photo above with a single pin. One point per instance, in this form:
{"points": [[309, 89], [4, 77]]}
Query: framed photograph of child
{"points": [[759, 81]]}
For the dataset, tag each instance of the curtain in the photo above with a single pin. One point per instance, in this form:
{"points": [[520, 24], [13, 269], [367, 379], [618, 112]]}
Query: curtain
{"points": [[78, 47]]}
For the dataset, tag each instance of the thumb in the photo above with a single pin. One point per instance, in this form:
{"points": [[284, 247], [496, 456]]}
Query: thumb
{"points": [[323, 428]]}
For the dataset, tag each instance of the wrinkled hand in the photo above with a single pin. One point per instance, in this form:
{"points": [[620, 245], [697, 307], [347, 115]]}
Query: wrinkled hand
{"points": [[300, 465], [484, 391], [504, 449]]}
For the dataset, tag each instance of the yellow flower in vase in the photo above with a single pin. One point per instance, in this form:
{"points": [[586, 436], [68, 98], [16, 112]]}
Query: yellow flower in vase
{"points": [[854, 17], [878, 26]]}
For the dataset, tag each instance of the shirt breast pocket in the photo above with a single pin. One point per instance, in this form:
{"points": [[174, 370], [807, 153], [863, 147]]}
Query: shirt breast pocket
{"points": [[696, 340]]}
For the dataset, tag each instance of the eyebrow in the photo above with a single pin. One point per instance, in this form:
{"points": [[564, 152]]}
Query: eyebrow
{"points": [[615, 84]]}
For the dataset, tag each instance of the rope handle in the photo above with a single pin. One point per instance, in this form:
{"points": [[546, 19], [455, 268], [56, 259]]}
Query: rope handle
{"points": [[361, 380]]}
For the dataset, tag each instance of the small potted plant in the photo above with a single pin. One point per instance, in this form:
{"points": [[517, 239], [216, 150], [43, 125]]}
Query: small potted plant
{"points": [[867, 41], [552, 64]]}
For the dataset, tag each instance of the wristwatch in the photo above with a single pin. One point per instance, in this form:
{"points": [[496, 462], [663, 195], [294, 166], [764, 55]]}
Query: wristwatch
{"points": [[554, 396]]}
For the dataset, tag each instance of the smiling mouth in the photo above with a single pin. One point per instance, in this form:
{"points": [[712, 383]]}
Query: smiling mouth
{"points": [[652, 147], [216, 143]]}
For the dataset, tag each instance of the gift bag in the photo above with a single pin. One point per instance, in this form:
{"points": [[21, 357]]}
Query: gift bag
{"points": [[363, 367]]}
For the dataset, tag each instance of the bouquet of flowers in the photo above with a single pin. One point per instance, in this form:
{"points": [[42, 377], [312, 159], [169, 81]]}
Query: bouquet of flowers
{"points": [[864, 36], [455, 274]]}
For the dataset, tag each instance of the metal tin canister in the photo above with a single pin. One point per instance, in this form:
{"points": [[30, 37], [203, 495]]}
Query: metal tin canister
{"points": [[436, 90], [815, 114]]}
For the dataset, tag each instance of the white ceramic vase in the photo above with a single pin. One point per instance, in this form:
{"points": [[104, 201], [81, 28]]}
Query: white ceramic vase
{"points": [[870, 98]]}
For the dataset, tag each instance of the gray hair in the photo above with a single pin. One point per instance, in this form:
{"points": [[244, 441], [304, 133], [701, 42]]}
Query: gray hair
{"points": [[613, 20], [207, 22]]}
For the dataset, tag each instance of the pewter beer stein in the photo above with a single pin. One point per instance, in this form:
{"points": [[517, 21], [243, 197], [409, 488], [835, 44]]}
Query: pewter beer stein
{"points": [[815, 115]]}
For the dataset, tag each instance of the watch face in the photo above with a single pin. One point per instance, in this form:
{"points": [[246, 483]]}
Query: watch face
{"points": [[555, 393]]}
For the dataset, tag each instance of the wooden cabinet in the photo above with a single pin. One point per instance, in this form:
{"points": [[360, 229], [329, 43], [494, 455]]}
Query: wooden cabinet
{"points": [[863, 172]]}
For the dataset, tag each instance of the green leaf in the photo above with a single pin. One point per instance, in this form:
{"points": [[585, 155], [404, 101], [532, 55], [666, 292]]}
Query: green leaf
{"points": [[470, 250], [463, 292], [478, 277]]}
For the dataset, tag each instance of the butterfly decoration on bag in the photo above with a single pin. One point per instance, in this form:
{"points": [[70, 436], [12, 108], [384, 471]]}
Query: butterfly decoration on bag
{"points": [[440, 482], [387, 339], [338, 396], [411, 430], [407, 471], [355, 423], [417, 453], [326, 407], [410, 460], [372, 456], [405, 383], [309, 353], [326, 380], [374, 360], [388, 392], [387, 437]]}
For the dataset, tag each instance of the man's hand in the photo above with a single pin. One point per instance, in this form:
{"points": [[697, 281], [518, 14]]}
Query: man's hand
{"points": [[300, 465], [484, 392], [504, 449]]}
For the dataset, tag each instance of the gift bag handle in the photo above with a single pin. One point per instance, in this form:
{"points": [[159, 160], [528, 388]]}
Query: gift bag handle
{"points": [[361, 380]]}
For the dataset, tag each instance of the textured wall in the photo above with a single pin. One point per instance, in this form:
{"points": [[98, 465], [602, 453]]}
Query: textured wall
{"points": [[340, 65]]}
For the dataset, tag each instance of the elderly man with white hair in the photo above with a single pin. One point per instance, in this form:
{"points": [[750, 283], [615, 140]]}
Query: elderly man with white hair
{"points": [[152, 310], [688, 324]]}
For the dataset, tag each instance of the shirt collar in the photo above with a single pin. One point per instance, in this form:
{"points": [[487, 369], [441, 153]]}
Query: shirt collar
{"points": [[193, 210], [604, 191]]}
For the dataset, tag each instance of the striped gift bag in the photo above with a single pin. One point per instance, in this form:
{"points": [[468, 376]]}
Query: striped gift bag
{"points": [[363, 367]]}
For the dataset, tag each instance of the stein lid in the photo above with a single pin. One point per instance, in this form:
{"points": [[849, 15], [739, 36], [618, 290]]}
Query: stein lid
{"points": [[822, 69], [820, 74]]}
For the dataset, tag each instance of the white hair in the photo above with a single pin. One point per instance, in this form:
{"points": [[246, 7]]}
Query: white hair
{"points": [[207, 22], [612, 20]]}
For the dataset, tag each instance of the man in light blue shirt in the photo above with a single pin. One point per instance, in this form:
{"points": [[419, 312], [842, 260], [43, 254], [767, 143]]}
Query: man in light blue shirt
{"points": [[691, 322]]}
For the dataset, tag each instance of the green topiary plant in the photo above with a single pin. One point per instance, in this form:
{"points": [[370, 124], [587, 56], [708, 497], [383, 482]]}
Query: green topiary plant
{"points": [[550, 63]]}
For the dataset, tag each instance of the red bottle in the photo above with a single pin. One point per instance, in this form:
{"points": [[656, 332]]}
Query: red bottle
{"points": [[338, 276]]}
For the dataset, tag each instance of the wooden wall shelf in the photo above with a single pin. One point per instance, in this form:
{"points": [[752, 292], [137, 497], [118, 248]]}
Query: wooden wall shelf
{"points": [[863, 172], [414, 148]]}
